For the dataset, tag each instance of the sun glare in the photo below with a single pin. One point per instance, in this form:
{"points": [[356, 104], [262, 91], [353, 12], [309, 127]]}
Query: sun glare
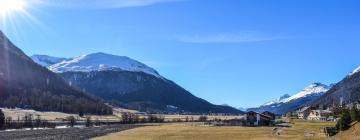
{"points": [[8, 6]]}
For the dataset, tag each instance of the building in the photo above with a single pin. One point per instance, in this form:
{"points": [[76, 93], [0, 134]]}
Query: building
{"points": [[351, 105], [256, 119], [232, 122], [319, 115], [303, 113], [270, 114]]}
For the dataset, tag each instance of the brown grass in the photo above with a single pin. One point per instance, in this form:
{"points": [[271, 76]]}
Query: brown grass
{"points": [[188, 132], [352, 134]]}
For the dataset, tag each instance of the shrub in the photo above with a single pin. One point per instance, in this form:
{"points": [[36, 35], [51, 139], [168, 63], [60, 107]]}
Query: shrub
{"points": [[203, 118], [88, 122], [72, 121]]}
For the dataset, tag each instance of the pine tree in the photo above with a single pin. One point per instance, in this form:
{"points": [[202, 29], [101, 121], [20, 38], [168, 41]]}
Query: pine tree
{"points": [[81, 113], [354, 112], [2, 120], [345, 120]]}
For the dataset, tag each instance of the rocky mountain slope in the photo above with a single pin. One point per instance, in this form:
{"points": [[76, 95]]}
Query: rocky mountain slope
{"points": [[25, 84], [345, 91]]}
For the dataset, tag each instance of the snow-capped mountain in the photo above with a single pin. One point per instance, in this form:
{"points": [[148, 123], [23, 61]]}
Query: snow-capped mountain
{"points": [[131, 84], [313, 89], [46, 60], [287, 103], [101, 62]]}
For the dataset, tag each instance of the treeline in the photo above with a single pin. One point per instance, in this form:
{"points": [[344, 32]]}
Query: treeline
{"points": [[47, 101], [28, 121], [31, 121]]}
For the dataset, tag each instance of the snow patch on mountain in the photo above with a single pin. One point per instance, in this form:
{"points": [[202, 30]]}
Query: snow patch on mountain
{"points": [[355, 71], [45, 60], [313, 89], [277, 100], [102, 62]]}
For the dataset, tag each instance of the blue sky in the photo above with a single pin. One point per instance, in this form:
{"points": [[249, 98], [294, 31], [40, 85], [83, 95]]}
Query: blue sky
{"points": [[237, 52]]}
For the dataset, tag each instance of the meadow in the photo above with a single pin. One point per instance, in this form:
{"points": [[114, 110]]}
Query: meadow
{"points": [[299, 130]]}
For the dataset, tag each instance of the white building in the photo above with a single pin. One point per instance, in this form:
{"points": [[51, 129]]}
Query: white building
{"points": [[319, 115]]}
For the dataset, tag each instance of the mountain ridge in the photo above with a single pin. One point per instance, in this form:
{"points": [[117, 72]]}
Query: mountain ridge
{"points": [[344, 92], [288, 103]]}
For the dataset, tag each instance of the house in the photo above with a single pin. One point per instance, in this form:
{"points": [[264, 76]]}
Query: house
{"points": [[270, 114], [291, 114], [319, 115], [259, 119], [303, 113]]}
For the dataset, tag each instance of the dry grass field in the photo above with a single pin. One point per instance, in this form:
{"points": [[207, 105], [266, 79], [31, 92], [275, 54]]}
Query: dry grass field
{"points": [[299, 131], [52, 116], [196, 117], [352, 134]]}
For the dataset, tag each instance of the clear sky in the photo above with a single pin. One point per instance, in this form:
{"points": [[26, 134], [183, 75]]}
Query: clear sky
{"points": [[237, 52]]}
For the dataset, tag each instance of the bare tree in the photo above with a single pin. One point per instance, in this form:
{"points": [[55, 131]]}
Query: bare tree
{"points": [[88, 122], [28, 120], [203, 118]]}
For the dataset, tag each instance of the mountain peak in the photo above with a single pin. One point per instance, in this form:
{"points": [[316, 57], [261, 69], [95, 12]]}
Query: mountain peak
{"points": [[314, 88], [355, 71], [284, 96], [317, 84], [100, 62]]}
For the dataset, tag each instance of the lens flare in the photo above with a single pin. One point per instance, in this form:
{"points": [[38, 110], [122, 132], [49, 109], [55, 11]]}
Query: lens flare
{"points": [[9, 6]]}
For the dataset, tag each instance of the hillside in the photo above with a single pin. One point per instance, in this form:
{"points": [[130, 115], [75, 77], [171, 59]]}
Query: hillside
{"points": [[345, 91], [352, 133], [25, 84]]}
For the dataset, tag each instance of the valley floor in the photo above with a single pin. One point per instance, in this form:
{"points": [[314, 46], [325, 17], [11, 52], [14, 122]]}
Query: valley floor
{"points": [[64, 133], [300, 130]]}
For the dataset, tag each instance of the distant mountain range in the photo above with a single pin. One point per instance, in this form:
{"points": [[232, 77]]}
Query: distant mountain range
{"points": [[318, 95], [25, 84], [128, 83], [288, 103]]}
